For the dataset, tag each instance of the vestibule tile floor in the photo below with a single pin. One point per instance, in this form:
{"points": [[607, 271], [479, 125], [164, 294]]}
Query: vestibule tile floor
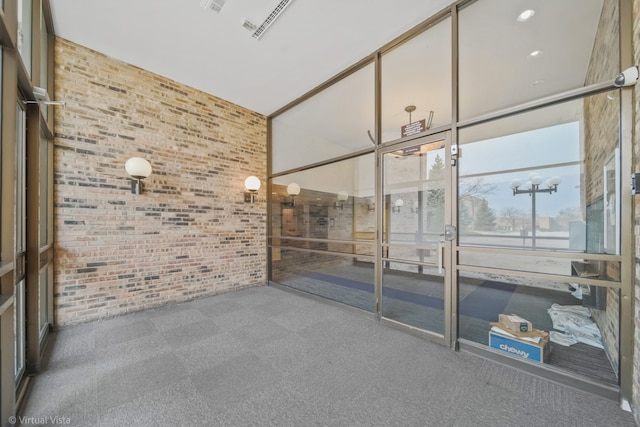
{"points": [[268, 357]]}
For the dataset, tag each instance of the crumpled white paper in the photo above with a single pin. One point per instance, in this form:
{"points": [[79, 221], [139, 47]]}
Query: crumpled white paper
{"points": [[576, 323]]}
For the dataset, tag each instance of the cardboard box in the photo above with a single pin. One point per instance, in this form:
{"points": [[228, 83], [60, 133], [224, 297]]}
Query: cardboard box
{"points": [[517, 347], [515, 323]]}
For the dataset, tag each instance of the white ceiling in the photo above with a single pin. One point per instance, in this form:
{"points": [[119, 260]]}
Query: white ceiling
{"points": [[310, 42]]}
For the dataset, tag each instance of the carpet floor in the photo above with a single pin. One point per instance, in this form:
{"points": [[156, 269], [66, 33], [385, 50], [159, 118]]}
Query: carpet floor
{"points": [[419, 302], [268, 357]]}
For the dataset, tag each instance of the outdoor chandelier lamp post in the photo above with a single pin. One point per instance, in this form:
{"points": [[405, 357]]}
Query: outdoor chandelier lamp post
{"points": [[532, 187]]}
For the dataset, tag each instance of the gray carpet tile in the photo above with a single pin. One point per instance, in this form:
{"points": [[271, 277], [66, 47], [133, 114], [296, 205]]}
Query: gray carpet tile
{"points": [[267, 357]]}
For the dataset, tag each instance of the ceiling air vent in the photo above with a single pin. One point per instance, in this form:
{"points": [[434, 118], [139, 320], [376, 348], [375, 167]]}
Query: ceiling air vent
{"points": [[215, 5], [272, 17]]}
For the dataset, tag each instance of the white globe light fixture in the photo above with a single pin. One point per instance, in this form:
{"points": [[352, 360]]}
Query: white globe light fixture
{"points": [[138, 168], [342, 197], [293, 190], [397, 205], [252, 184]]}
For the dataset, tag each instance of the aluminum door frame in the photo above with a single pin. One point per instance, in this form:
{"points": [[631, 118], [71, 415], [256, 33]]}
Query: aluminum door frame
{"points": [[449, 264]]}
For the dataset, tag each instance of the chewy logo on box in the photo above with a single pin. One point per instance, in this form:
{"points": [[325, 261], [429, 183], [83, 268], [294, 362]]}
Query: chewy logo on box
{"points": [[513, 346]]}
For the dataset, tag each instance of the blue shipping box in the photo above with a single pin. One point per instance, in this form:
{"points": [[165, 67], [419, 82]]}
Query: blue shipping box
{"points": [[536, 352]]}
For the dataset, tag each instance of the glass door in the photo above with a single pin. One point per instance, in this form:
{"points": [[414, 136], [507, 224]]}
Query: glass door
{"points": [[416, 241]]}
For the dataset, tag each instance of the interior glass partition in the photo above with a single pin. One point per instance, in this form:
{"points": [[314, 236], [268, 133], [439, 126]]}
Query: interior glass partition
{"points": [[323, 231], [539, 218]]}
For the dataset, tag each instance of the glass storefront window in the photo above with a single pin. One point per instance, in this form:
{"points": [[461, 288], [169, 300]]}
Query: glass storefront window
{"points": [[333, 277], [508, 57], [324, 202], [416, 83], [43, 299], [581, 321], [20, 208], [318, 216], [44, 57], [44, 53], [547, 179], [337, 121], [44, 190], [19, 331], [25, 32]]}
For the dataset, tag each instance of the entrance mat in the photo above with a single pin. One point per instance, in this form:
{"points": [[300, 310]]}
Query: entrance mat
{"points": [[420, 299], [487, 300], [398, 294], [347, 283]]}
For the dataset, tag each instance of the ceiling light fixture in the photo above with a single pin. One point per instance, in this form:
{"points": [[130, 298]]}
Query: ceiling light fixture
{"points": [[271, 18], [537, 82], [526, 15], [248, 24], [535, 53], [215, 5]]}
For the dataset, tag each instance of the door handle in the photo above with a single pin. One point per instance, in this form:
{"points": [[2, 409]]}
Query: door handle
{"points": [[440, 256]]}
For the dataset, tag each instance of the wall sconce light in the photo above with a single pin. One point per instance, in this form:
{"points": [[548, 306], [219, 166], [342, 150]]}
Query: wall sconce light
{"points": [[252, 184], [371, 206], [343, 196], [397, 205], [293, 190], [139, 169]]}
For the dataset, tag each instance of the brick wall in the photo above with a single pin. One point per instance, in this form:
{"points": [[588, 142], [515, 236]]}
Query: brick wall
{"points": [[189, 234]]}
